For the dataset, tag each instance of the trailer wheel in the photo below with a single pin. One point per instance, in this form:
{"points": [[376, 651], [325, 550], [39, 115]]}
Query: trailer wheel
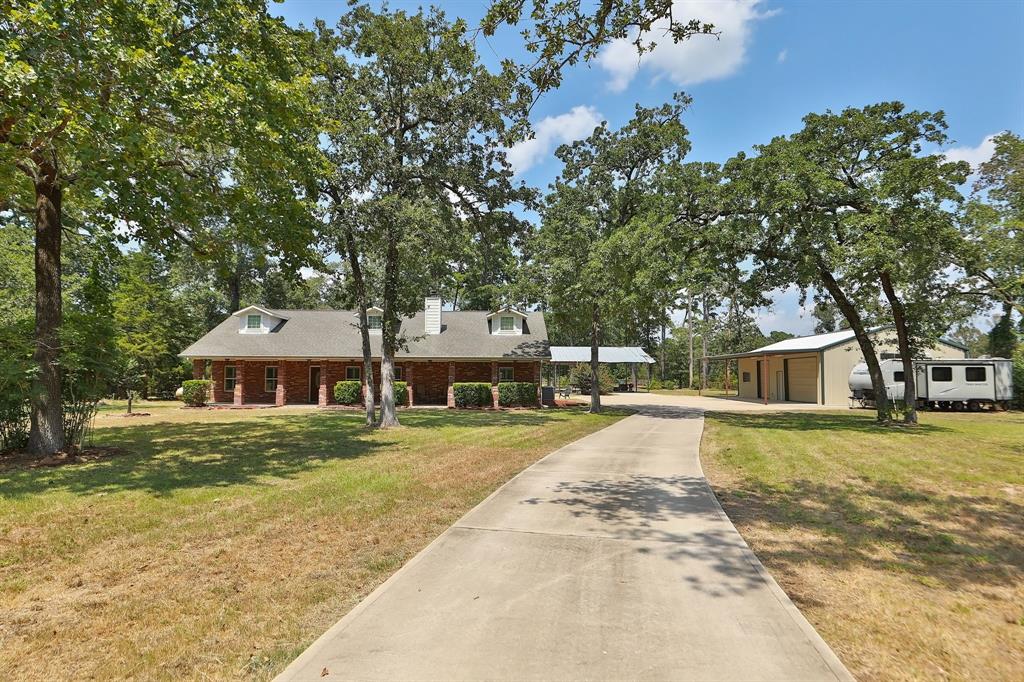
{"points": [[973, 406], [1001, 406], [957, 406]]}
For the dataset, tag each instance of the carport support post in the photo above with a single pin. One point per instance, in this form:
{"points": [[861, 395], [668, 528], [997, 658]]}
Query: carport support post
{"points": [[282, 385], [451, 384], [494, 385], [410, 376], [764, 375]]}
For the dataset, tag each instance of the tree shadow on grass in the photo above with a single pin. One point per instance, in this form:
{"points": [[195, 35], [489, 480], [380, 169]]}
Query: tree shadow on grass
{"points": [[167, 456], [819, 421], [938, 538]]}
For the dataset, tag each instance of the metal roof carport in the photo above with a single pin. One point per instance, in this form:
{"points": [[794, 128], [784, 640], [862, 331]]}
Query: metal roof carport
{"points": [[607, 355]]}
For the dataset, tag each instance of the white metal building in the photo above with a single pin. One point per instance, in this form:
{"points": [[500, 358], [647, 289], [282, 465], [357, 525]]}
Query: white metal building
{"points": [[816, 369]]}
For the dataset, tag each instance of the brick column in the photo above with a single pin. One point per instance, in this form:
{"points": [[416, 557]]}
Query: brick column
{"points": [[282, 383], [198, 369], [494, 385], [536, 379], [409, 378], [239, 397], [321, 396], [451, 384]]}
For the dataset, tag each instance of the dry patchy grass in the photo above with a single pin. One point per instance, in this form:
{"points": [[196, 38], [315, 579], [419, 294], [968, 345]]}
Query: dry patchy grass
{"points": [[904, 547], [224, 542]]}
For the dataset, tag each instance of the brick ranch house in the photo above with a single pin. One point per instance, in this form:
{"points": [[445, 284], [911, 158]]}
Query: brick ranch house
{"points": [[295, 357]]}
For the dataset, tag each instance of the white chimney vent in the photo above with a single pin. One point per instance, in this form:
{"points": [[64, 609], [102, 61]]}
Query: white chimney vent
{"points": [[432, 312]]}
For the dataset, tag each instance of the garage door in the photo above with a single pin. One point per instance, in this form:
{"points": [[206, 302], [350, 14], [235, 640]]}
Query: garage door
{"points": [[803, 380]]}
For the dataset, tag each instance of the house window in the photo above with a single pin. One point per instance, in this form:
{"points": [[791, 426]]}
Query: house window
{"points": [[353, 373], [942, 373], [898, 376], [746, 377], [253, 321], [974, 373], [398, 373], [270, 379], [373, 322], [506, 374], [229, 378], [507, 323]]}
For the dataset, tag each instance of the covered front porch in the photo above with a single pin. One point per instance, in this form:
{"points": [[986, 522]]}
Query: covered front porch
{"points": [[256, 382]]}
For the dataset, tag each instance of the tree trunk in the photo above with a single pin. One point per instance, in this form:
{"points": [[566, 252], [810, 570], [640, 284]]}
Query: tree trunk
{"points": [[661, 373], [867, 348], [235, 291], [359, 284], [704, 345], [899, 317], [47, 425], [595, 365], [131, 394], [689, 331], [389, 334]]}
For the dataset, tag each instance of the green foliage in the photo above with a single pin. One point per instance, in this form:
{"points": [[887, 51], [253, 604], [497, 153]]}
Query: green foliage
{"points": [[580, 376], [196, 392], [517, 394], [473, 394], [1018, 376], [348, 392], [401, 392]]}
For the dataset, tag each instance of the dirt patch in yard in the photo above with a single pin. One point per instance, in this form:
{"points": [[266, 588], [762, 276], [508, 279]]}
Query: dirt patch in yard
{"points": [[904, 548]]}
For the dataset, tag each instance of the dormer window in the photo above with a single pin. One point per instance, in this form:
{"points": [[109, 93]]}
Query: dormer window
{"points": [[373, 322], [257, 320], [508, 323]]}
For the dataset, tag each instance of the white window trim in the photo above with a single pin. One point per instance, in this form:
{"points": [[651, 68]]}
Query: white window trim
{"points": [[359, 373], [512, 371], [259, 321], [267, 378], [233, 378], [380, 322]]}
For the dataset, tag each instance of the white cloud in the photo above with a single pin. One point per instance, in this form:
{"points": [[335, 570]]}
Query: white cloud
{"points": [[699, 59], [782, 56], [550, 132], [973, 155]]}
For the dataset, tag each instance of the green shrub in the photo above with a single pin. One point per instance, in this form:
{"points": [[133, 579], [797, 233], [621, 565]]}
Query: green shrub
{"points": [[517, 394], [473, 394], [348, 392], [654, 384], [195, 392], [580, 376], [1018, 376], [14, 422], [401, 392]]}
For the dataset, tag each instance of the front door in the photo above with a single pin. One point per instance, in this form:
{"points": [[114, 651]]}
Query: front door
{"points": [[314, 385]]}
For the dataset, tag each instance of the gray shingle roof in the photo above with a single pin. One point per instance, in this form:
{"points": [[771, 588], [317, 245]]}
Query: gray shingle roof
{"points": [[334, 334]]}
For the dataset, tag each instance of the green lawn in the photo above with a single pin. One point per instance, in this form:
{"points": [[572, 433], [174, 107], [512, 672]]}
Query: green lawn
{"points": [[904, 547], [220, 543]]}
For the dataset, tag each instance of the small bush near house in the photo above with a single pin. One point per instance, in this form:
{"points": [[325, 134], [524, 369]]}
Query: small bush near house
{"points": [[517, 394], [580, 376], [1018, 376], [348, 392], [195, 392], [472, 394], [401, 392]]}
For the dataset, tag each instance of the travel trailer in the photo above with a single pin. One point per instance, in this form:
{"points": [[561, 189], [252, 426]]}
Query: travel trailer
{"points": [[944, 384]]}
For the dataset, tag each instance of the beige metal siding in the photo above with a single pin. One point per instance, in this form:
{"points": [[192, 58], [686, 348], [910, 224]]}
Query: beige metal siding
{"points": [[748, 389], [803, 379], [840, 361]]}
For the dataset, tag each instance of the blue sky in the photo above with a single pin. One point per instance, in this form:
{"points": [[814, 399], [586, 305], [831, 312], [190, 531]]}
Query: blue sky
{"points": [[774, 63]]}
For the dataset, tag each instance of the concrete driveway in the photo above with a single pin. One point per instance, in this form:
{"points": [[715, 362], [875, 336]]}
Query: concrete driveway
{"points": [[608, 559]]}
